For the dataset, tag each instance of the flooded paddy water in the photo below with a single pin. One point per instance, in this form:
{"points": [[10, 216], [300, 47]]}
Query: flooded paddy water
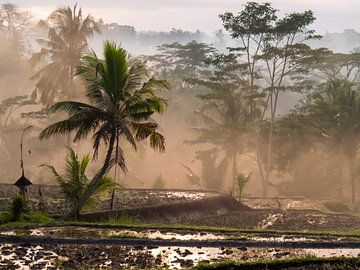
{"points": [[153, 247], [108, 255], [118, 257]]}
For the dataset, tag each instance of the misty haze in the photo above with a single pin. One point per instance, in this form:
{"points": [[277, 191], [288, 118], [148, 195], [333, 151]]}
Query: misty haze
{"points": [[179, 135]]}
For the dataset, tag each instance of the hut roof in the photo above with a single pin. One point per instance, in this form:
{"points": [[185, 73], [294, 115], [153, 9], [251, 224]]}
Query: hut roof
{"points": [[23, 182]]}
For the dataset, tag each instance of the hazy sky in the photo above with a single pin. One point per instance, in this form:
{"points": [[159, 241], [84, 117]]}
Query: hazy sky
{"points": [[332, 15]]}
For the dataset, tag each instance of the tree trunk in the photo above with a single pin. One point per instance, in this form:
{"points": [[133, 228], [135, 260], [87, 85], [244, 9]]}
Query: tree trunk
{"points": [[95, 181], [352, 180], [112, 199], [268, 163], [234, 172], [116, 158], [70, 96]]}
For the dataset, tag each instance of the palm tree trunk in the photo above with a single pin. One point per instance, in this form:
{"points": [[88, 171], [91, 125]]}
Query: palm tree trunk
{"points": [[95, 181], [112, 199], [116, 158], [70, 96]]}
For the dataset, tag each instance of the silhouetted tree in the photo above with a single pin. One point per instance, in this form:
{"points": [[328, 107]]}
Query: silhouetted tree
{"points": [[68, 34], [275, 55]]}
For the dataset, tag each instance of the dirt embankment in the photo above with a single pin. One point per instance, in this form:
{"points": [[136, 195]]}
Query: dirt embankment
{"points": [[175, 212], [276, 219]]}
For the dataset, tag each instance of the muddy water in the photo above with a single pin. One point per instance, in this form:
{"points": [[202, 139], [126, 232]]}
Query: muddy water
{"points": [[28, 257], [173, 234], [48, 256], [81, 232], [105, 257], [71, 257]]}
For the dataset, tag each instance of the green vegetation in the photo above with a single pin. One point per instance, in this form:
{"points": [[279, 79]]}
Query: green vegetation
{"points": [[278, 45], [18, 207], [335, 114], [74, 182], [241, 182], [123, 96], [30, 218], [124, 220], [339, 263], [19, 215]]}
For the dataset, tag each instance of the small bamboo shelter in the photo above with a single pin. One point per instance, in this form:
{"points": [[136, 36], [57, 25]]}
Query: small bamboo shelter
{"points": [[23, 182]]}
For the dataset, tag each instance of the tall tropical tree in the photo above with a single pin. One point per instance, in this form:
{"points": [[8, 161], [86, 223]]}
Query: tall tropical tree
{"points": [[335, 113], [224, 116], [122, 97], [14, 25], [68, 34], [276, 57], [74, 182]]}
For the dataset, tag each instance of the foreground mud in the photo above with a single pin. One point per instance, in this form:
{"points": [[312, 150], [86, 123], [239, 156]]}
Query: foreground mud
{"points": [[48, 256], [104, 248]]}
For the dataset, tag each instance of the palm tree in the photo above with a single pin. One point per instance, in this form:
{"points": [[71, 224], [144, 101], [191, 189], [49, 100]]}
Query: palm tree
{"points": [[74, 182], [122, 98], [335, 114], [68, 34]]}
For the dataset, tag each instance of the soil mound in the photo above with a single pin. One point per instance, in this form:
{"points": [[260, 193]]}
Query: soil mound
{"points": [[214, 205]]}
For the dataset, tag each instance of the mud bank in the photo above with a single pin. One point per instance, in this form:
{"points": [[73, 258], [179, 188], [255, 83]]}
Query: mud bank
{"points": [[174, 212]]}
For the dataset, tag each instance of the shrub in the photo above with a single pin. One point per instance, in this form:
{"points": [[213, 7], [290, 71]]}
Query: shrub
{"points": [[241, 181], [159, 182], [74, 182], [125, 219], [5, 217], [17, 208], [36, 217]]}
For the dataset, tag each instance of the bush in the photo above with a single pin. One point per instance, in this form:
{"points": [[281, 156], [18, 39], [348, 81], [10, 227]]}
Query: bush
{"points": [[5, 217], [125, 220], [241, 182], [17, 208], [36, 217]]}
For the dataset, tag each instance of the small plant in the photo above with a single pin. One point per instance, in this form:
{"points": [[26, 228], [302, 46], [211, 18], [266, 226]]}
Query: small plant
{"points": [[5, 217], [159, 182], [241, 182], [74, 182], [17, 208], [125, 220], [36, 217]]}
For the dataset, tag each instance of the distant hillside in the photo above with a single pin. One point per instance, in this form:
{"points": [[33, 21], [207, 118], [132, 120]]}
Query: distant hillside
{"points": [[339, 42]]}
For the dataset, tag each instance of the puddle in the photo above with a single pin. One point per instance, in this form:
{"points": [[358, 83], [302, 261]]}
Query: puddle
{"points": [[327, 253], [27, 258], [80, 232], [110, 257], [281, 239], [270, 220], [168, 235]]}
